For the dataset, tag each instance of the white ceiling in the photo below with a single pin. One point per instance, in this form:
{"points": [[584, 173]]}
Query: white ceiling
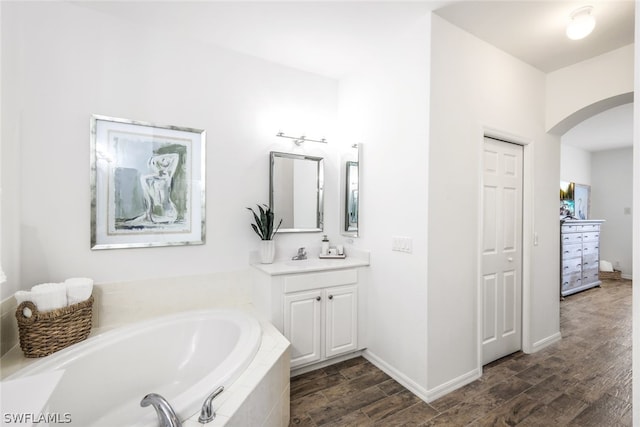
{"points": [[332, 37], [322, 37], [534, 31]]}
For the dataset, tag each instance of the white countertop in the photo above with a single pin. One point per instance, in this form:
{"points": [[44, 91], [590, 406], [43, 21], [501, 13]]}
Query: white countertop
{"points": [[311, 264]]}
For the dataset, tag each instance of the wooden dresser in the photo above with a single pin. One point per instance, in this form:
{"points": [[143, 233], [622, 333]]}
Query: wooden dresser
{"points": [[579, 255]]}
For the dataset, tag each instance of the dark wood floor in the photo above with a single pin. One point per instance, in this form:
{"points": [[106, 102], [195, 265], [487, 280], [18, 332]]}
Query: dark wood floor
{"points": [[583, 380]]}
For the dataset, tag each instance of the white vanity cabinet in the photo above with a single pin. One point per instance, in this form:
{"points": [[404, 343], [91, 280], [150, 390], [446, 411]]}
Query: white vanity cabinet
{"points": [[321, 323], [317, 311]]}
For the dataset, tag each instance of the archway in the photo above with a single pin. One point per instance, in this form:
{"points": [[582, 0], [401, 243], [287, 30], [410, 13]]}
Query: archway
{"points": [[589, 111]]}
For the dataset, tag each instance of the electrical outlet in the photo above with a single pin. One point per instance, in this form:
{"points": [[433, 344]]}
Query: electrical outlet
{"points": [[402, 244]]}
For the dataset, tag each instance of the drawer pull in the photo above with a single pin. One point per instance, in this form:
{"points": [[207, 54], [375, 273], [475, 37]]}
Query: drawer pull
{"points": [[318, 298], [330, 296]]}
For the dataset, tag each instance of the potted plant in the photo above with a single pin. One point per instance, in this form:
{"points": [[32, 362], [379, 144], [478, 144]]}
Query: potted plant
{"points": [[263, 227]]}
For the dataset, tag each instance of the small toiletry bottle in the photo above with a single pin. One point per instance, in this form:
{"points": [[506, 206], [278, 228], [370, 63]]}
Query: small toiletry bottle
{"points": [[325, 245]]}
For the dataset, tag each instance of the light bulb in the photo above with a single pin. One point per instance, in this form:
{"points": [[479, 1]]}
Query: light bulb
{"points": [[581, 23]]}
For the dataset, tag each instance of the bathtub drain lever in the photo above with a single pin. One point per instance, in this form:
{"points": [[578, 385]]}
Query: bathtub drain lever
{"points": [[207, 414]]}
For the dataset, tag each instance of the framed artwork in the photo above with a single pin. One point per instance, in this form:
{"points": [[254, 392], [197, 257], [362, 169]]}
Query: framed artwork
{"points": [[567, 209], [582, 201], [567, 190], [147, 184]]}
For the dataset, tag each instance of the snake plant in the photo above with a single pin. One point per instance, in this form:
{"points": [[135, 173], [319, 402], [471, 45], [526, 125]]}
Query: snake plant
{"points": [[264, 222]]}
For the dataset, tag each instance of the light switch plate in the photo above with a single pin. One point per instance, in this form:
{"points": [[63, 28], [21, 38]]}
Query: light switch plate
{"points": [[402, 244]]}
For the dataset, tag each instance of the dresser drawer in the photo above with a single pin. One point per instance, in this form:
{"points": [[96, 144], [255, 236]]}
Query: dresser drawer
{"points": [[571, 266], [590, 261], [589, 227], [573, 228], [590, 275], [590, 248], [571, 238], [570, 281], [592, 236], [571, 251]]}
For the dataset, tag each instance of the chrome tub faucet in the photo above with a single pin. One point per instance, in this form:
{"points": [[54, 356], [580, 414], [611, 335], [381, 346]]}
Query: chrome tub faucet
{"points": [[166, 415]]}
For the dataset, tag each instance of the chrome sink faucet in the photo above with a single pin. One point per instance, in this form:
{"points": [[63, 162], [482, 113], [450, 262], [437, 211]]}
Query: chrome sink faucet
{"points": [[301, 255], [166, 415]]}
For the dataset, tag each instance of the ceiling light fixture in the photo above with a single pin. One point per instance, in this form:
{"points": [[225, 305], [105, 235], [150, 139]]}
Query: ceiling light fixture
{"points": [[581, 23]]}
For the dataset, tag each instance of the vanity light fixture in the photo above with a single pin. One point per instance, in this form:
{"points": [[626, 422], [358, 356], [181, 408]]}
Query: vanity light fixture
{"points": [[581, 23], [300, 139]]}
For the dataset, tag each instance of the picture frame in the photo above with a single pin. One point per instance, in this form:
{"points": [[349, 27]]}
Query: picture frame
{"points": [[147, 184], [582, 201]]}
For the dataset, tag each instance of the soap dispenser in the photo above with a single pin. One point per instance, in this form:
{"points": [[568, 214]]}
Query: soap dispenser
{"points": [[325, 246]]}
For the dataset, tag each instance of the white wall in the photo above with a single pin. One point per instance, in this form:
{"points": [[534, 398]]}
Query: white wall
{"points": [[62, 62], [579, 91], [384, 105], [611, 200], [473, 85], [575, 165], [636, 223]]}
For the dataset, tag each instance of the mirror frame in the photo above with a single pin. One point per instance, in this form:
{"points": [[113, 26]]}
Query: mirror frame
{"points": [[348, 228], [319, 188], [344, 196]]}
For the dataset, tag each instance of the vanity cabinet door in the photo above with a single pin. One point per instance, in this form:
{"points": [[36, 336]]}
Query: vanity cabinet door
{"points": [[341, 308], [302, 326]]}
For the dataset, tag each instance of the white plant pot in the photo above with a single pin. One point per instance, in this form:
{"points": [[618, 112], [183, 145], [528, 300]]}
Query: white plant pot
{"points": [[267, 251]]}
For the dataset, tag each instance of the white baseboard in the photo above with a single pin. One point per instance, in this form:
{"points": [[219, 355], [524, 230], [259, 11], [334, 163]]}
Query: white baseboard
{"points": [[417, 389], [545, 342], [454, 384], [312, 367], [627, 276]]}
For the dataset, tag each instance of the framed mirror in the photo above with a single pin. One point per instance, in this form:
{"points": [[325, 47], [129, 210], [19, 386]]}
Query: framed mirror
{"points": [[296, 186], [350, 191]]}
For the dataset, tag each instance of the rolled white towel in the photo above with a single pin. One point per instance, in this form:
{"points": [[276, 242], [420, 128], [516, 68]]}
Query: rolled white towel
{"points": [[22, 296], [49, 296], [606, 266], [78, 289]]}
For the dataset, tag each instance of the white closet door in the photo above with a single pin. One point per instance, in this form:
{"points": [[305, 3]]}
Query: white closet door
{"points": [[501, 249]]}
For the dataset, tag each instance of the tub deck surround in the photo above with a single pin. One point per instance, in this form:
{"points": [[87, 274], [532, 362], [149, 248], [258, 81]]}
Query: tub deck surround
{"points": [[118, 304], [185, 378]]}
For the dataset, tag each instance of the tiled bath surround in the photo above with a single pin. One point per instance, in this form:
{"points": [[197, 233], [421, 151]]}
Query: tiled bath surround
{"points": [[260, 396], [121, 303]]}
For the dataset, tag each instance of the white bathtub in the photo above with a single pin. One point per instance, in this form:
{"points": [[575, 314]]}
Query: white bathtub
{"points": [[182, 357]]}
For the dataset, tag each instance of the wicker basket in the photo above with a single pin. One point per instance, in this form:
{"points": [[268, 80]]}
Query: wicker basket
{"points": [[611, 275], [44, 333]]}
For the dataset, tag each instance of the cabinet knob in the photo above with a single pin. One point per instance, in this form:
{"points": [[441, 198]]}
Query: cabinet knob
{"points": [[318, 298], [330, 296]]}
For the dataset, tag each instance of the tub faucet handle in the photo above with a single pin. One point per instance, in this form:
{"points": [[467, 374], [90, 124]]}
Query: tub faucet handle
{"points": [[166, 415], [207, 414]]}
